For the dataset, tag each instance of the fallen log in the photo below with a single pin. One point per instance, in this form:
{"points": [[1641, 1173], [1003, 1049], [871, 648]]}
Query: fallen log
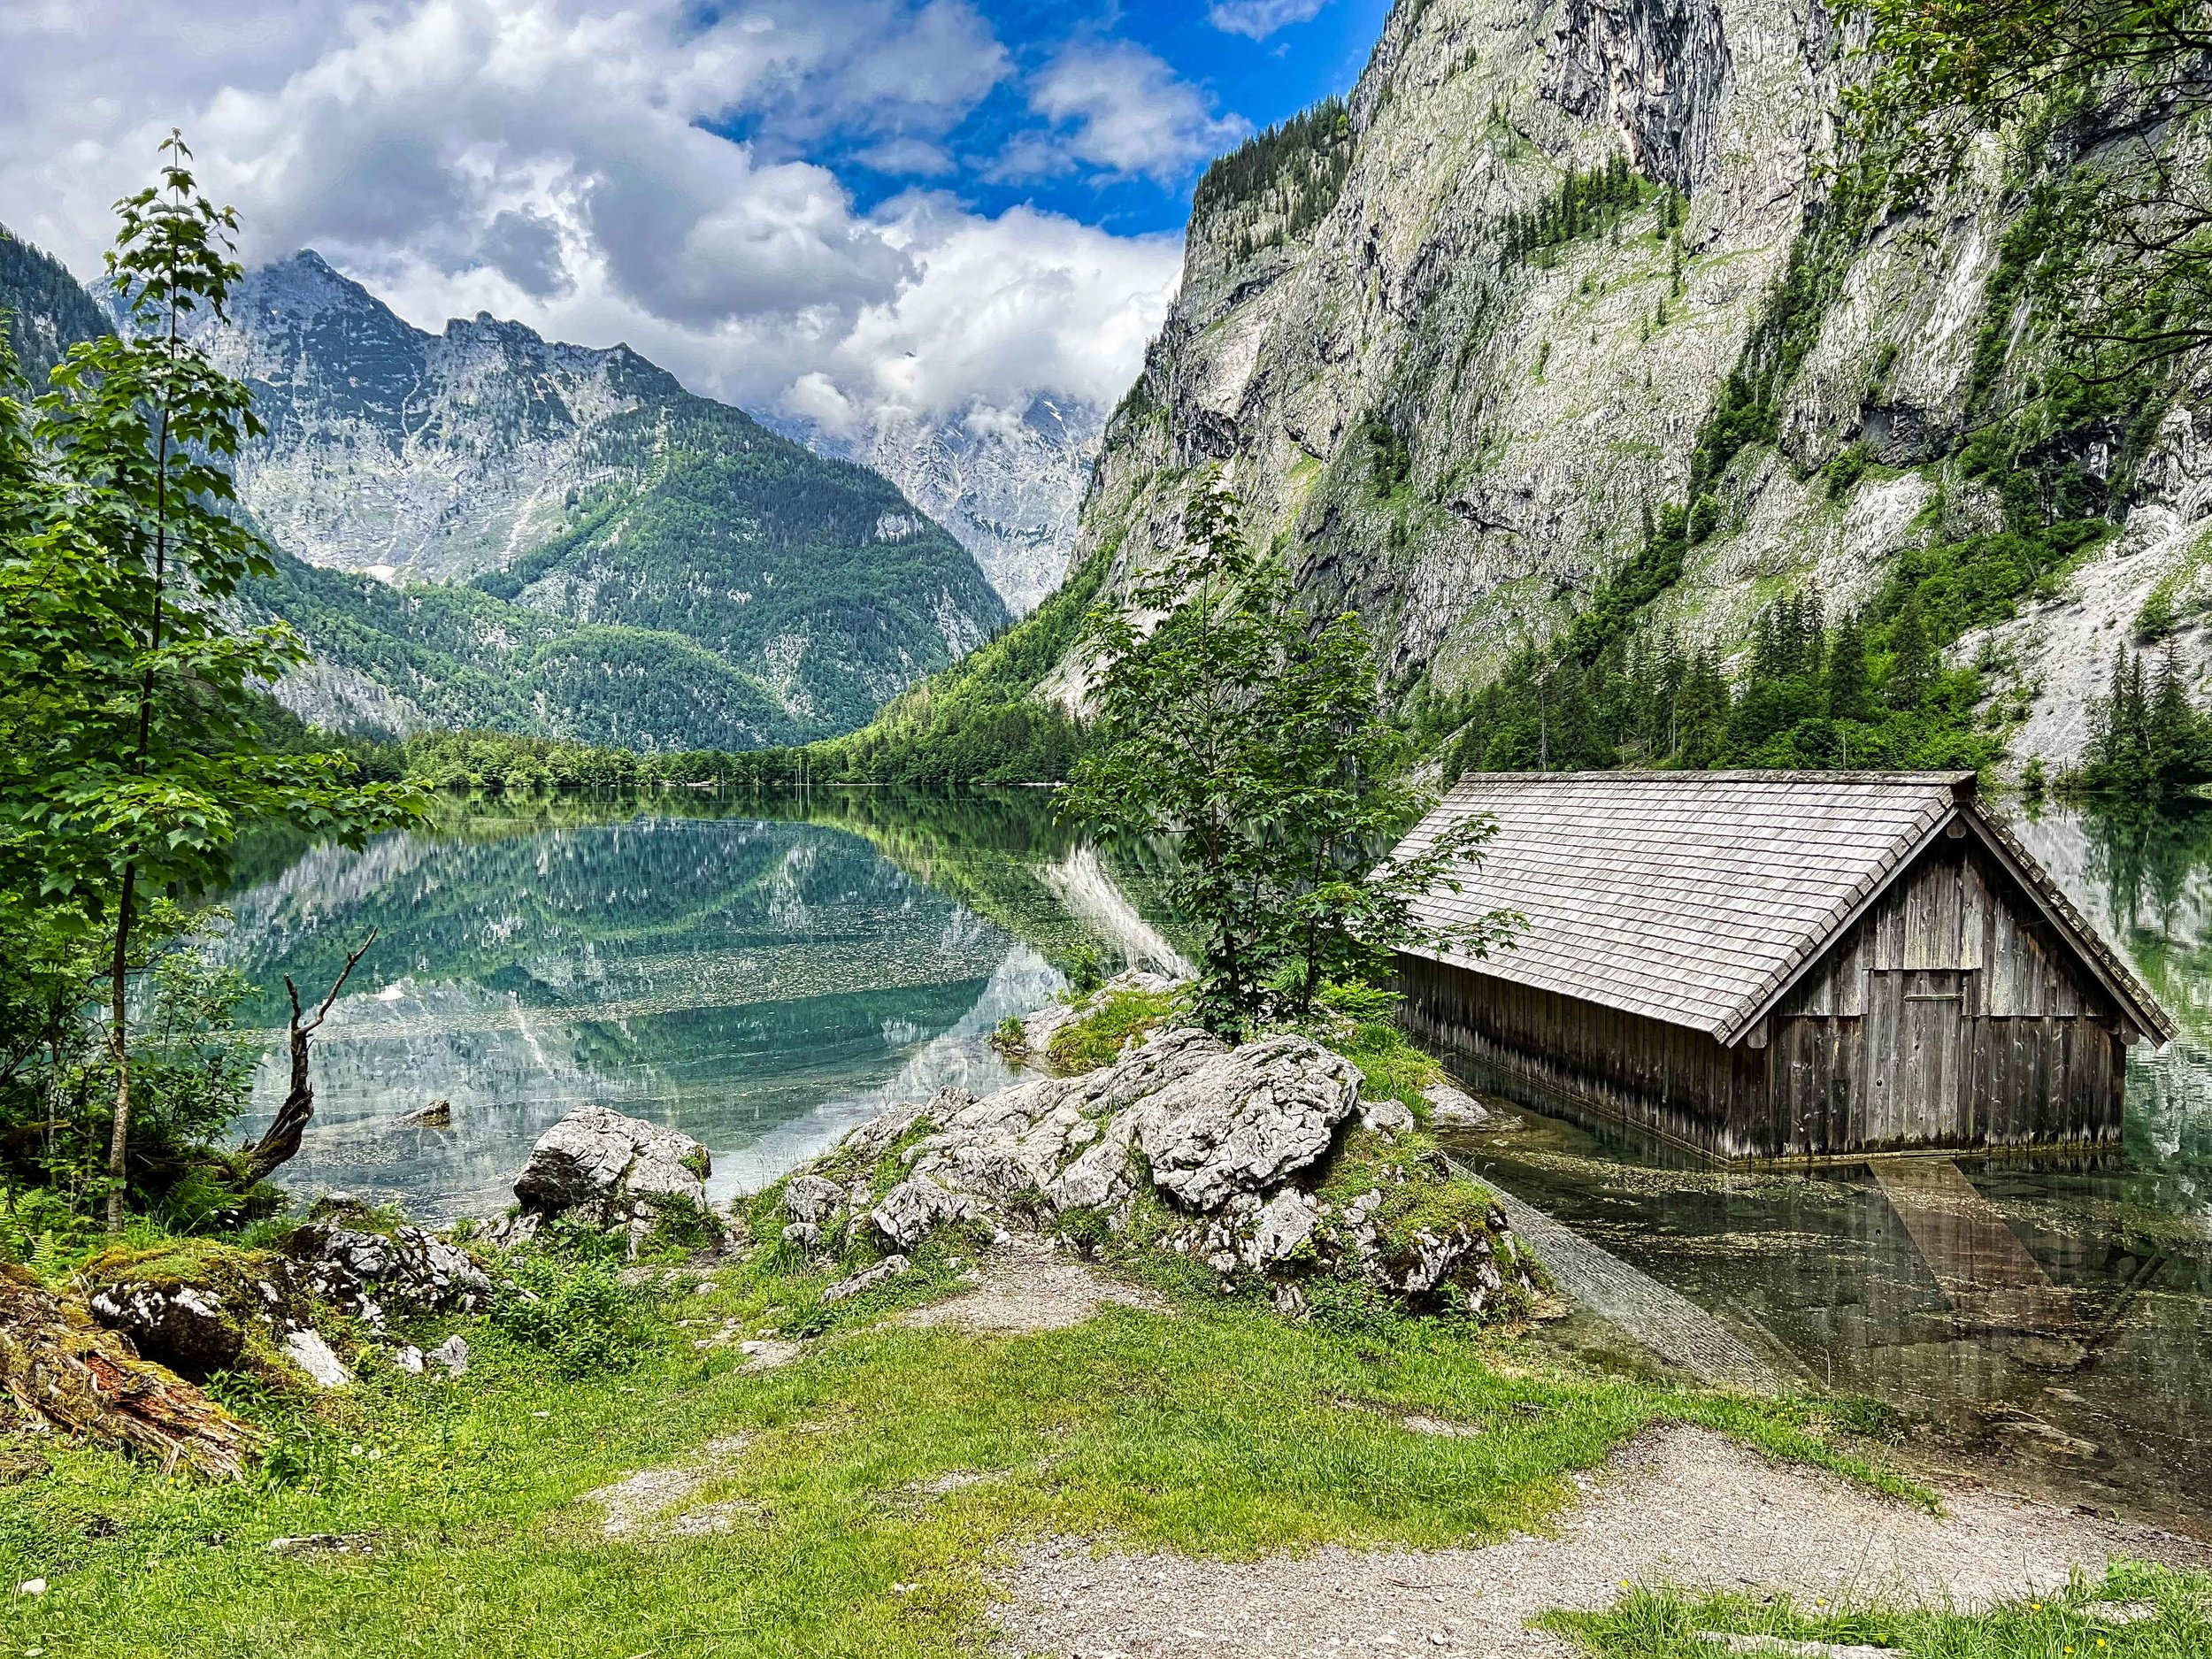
{"points": [[62, 1371]]}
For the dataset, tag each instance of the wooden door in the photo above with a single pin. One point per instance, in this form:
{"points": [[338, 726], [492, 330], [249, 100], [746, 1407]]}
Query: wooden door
{"points": [[1916, 1032]]}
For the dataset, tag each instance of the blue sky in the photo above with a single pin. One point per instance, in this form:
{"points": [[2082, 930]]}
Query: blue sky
{"points": [[1257, 71], [849, 211]]}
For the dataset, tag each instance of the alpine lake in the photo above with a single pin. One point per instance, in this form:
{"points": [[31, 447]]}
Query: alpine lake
{"points": [[767, 971]]}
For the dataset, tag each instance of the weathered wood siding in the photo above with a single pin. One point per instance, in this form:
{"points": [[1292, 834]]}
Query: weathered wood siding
{"points": [[1949, 1016], [1662, 1078], [1946, 1016]]}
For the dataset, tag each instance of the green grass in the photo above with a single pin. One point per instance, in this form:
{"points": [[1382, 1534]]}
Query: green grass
{"points": [[2077, 1623], [1390, 1067], [1097, 1038], [1217, 1428]]}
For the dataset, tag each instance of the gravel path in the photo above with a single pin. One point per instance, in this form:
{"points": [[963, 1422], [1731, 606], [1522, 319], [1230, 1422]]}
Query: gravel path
{"points": [[650, 1503], [1679, 1505], [1025, 1285]]}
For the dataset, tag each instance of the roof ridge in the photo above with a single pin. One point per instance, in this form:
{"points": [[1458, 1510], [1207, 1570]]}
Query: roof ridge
{"points": [[1897, 779], [1900, 854], [2090, 935]]}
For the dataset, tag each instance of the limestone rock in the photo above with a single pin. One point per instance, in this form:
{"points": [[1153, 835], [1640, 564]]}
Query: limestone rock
{"points": [[875, 1137], [867, 1278], [610, 1170], [1236, 1141], [1284, 1222], [811, 1200], [1243, 1121], [308, 1350], [1451, 1107], [325, 1544], [1428, 1256], [451, 1355], [915, 1207], [1041, 1027], [1388, 1118], [364, 1271]]}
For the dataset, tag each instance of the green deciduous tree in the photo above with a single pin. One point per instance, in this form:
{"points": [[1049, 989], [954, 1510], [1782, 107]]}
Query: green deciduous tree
{"points": [[1237, 721], [128, 693]]}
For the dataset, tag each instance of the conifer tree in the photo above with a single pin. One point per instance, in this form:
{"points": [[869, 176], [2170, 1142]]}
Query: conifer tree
{"points": [[1912, 656], [1846, 672]]}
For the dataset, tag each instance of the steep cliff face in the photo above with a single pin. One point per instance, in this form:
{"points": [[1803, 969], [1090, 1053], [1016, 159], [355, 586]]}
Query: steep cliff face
{"points": [[405, 454], [1455, 379]]}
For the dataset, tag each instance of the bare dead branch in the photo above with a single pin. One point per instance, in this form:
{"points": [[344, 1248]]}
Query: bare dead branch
{"points": [[282, 1141]]}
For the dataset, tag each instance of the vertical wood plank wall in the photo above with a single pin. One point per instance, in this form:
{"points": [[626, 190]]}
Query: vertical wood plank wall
{"points": [[1948, 1015]]}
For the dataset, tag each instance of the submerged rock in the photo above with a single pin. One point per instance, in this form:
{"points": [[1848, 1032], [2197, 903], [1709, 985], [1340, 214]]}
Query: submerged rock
{"points": [[609, 1172], [1451, 1107]]}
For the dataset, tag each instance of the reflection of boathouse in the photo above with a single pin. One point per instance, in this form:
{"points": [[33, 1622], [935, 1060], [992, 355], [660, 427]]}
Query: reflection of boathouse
{"points": [[1779, 964]]}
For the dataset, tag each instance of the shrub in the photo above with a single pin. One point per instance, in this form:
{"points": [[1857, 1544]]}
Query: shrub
{"points": [[568, 1300]]}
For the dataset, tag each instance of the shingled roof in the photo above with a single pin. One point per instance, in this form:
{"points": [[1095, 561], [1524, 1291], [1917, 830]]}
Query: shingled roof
{"points": [[1698, 898]]}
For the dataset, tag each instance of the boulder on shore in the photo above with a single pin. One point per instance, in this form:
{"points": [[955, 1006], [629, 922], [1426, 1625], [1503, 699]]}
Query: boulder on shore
{"points": [[610, 1172], [363, 1268]]}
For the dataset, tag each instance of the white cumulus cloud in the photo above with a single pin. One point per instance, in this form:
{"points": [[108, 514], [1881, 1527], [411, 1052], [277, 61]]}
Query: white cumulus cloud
{"points": [[572, 165], [1127, 110], [1256, 19]]}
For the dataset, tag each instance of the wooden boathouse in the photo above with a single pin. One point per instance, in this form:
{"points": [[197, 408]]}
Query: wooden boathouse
{"points": [[1779, 965]]}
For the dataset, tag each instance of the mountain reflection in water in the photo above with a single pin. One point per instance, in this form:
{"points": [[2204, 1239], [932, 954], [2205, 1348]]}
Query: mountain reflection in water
{"points": [[762, 974]]}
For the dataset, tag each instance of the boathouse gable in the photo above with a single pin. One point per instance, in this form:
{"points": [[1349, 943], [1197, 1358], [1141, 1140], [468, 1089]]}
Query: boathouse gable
{"points": [[1779, 965]]}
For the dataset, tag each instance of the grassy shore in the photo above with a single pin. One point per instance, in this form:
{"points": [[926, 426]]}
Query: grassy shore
{"points": [[1207, 1425]]}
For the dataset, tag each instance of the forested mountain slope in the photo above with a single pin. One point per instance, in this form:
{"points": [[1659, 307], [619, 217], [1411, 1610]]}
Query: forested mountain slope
{"points": [[485, 528], [1575, 343], [48, 311]]}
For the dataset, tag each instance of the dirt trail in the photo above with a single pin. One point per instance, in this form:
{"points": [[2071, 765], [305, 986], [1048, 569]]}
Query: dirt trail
{"points": [[1679, 1505], [1025, 1285]]}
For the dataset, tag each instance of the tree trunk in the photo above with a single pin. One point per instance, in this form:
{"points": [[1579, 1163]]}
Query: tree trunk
{"points": [[61, 1371], [280, 1142], [119, 1048]]}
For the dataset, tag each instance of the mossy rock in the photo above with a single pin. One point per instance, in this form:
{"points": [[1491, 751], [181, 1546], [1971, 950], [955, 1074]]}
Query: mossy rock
{"points": [[200, 1307]]}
